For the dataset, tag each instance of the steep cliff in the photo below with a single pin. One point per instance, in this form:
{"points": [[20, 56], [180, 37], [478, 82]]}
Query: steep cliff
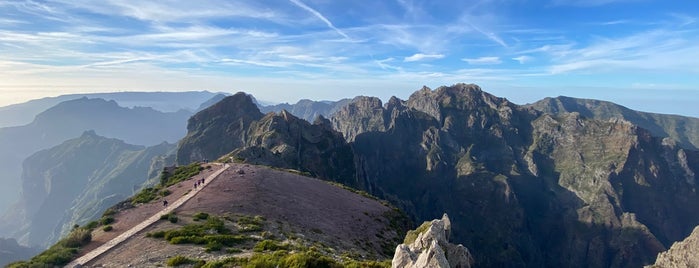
{"points": [[74, 182], [524, 188]]}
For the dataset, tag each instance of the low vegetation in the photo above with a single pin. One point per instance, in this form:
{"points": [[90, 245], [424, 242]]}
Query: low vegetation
{"points": [[413, 234], [300, 259], [213, 234], [167, 179], [180, 174], [61, 253], [182, 260]]}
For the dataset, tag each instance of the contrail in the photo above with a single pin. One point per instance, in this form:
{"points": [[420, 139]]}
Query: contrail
{"points": [[320, 16]]}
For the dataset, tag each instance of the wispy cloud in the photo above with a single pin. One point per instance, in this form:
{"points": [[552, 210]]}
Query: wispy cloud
{"points": [[320, 16], [658, 50], [490, 35], [523, 59], [483, 60], [420, 57]]}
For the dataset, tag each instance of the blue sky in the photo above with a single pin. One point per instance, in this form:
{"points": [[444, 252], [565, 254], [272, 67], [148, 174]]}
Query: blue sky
{"points": [[640, 53]]}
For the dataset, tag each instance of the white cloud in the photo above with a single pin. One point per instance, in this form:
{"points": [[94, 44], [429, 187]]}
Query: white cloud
{"points": [[483, 61], [420, 56], [523, 59], [320, 16]]}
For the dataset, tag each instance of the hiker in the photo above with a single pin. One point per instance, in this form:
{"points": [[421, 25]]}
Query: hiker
{"points": [[164, 203], [195, 186]]}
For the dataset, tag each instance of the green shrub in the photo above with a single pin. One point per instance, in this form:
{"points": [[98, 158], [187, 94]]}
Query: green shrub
{"points": [[92, 225], [107, 220], [200, 216], [250, 224], [412, 234], [109, 212], [182, 260], [165, 192], [144, 196], [269, 245], [77, 238], [180, 174], [172, 218], [107, 228]]}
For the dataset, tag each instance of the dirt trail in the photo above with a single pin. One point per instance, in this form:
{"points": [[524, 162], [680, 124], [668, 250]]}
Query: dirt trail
{"points": [[126, 235]]}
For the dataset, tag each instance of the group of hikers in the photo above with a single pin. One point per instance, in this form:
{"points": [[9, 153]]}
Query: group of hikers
{"points": [[198, 183]]}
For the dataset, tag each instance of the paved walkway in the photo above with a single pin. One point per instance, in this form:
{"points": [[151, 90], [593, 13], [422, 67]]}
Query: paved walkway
{"points": [[126, 235]]}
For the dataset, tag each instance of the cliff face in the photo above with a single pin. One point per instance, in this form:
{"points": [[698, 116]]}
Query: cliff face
{"points": [[682, 254], [218, 130], [74, 182], [685, 130], [523, 187]]}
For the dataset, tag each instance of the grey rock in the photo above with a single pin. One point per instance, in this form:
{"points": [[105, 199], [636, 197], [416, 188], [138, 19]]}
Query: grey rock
{"points": [[431, 248]]}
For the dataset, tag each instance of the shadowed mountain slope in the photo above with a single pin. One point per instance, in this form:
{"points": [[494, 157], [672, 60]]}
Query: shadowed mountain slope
{"points": [[142, 126], [72, 183], [524, 188]]}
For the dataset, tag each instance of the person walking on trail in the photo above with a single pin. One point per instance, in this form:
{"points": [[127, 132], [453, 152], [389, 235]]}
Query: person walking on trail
{"points": [[164, 203]]}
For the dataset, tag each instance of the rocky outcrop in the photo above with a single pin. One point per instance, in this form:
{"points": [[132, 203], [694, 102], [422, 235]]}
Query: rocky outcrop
{"points": [[283, 140], [683, 254], [429, 246]]}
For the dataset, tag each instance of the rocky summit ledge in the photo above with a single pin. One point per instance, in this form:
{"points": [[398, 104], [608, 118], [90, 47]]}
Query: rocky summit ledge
{"points": [[428, 246]]}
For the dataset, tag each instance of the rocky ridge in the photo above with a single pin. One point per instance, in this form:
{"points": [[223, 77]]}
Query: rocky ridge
{"points": [[682, 254], [431, 248], [542, 190]]}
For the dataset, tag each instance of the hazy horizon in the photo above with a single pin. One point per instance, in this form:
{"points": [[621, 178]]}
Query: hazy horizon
{"points": [[638, 53]]}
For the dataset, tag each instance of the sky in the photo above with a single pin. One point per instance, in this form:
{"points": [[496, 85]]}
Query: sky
{"points": [[643, 54]]}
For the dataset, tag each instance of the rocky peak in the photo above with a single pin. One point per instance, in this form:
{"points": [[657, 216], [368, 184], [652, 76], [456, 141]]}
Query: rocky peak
{"points": [[363, 114], [219, 129], [428, 246]]}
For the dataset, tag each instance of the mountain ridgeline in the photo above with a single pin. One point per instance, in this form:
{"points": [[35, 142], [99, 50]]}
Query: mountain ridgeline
{"points": [[74, 182], [524, 188], [67, 120]]}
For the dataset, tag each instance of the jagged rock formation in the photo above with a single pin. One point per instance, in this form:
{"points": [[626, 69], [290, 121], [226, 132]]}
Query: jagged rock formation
{"points": [[72, 183], [280, 140], [684, 130], [431, 248], [218, 130], [683, 254], [527, 189]]}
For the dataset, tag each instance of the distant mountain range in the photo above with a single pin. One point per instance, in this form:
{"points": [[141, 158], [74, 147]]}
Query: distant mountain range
{"points": [[68, 119], [23, 113], [76, 181]]}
